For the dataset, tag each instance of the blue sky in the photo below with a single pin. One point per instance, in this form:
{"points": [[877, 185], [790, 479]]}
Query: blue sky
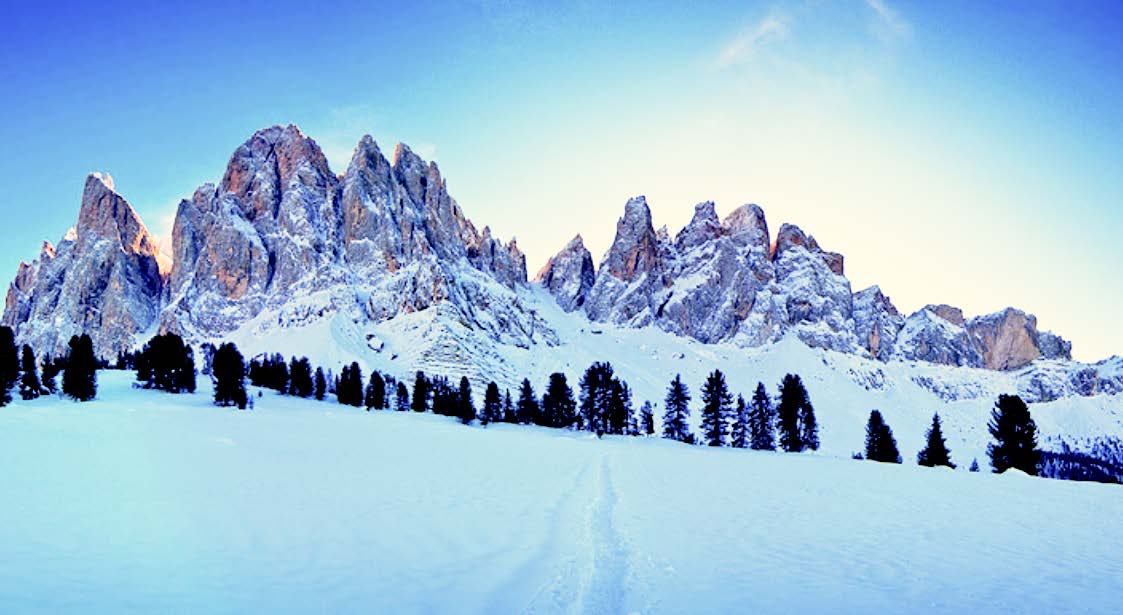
{"points": [[956, 152]]}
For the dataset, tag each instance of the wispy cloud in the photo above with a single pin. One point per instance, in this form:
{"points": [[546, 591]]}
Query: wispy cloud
{"points": [[745, 45], [888, 23]]}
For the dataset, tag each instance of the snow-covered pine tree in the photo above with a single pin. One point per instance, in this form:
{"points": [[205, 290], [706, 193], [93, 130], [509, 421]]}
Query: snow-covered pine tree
{"points": [[762, 421], [401, 401], [935, 451], [716, 409], [974, 465], [740, 436], [647, 419], [29, 386], [677, 409], [596, 389], [1015, 436]]}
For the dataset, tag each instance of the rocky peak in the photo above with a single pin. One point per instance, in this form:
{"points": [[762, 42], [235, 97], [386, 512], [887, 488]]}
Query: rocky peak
{"points": [[569, 274], [949, 313], [108, 215], [876, 322], [792, 236], [747, 226], [704, 226], [1009, 339], [635, 250], [271, 162]]}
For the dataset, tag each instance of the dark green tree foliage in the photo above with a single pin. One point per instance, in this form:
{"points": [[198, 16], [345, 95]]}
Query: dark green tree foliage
{"points": [[716, 409], [1015, 436], [9, 364], [527, 410], [300, 378], [228, 371], [935, 452], [559, 408], [762, 421], [420, 397], [647, 419], [401, 398], [796, 417], [166, 364], [880, 443], [79, 377], [49, 373], [270, 372], [508, 407], [445, 398], [620, 412], [207, 352], [974, 466], [349, 391], [466, 410], [29, 386], [740, 435], [596, 400], [492, 411], [375, 395], [319, 385], [677, 410]]}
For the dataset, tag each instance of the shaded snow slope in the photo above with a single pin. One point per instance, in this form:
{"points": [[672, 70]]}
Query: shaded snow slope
{"points": [[147, 502]]}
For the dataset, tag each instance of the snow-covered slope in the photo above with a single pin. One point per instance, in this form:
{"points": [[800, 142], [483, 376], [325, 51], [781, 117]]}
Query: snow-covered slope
{"points": [[147, 502]]}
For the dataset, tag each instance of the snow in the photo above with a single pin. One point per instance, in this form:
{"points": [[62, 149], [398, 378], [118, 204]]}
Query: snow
{"points": [[148, 502]]}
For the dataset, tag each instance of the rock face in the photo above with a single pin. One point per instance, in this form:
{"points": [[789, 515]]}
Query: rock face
{"points": [[102, 279], [569, 275], [877, 322]]}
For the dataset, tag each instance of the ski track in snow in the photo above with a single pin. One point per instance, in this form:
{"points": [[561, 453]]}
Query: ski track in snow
{"points": [[604, 592]]}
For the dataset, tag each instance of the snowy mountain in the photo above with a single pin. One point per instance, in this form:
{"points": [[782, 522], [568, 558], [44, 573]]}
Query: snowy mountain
{"points": [[379, 264]]}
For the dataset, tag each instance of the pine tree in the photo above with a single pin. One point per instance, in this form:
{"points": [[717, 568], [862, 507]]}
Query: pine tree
{"points": [[165, 363], [300, 378], [792, 398], [319, 385], [492, 411], [527, 410], [29, 387], [620, 414], [349, 391], [741, 435], [508, 407], [974, 465], [228, 371], [647, 418], [716, 409], [762, 421], [677, 404], [559, 408], [375, 396], [808, 425], [402, 398], [79, 377], [49, 373], [466, 410], [1015, 436], [935, 452], [596, 388], [9, 364], [420, 397], [880, 444]]}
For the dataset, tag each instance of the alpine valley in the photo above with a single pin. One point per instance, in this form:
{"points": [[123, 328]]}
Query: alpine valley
{"points": [[380, 265]]}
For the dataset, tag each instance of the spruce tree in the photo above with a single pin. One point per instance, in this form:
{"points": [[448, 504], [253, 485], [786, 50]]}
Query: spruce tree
{"points": [[935, 452], [527, 410], [228, 371], [79, 378], [401, 398], [762, 421], [880, 444], [349, 391], [677, 404], [300, 378], [647, 418], [420, 397], [792, 400], [375, 396], [808, 425], [741, 435], [165, 363], [1015, 436], [596, 389], [716, 409], [319, 385], [559, 408], [974, 465], [619, 413], [466, 409], [29, 387], [9, 364], [492, 411], [49, 373], [508, 407]]}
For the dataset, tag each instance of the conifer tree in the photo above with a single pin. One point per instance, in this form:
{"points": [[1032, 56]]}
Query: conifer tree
{"points": [[375, 396], [420, 397], [492, 411], [792, 400], [49, 373], [762, 421], [79, 377], [9, 364], [508, 407], [527, 410], [301, 383], [974, 465], [466, 410], [29, 387], [319, 385], [647, 418], [349, 391], [620, 414], [559, 408], [716, 409], [1015, 436], [741, 434], [165, 363], [596, 389], [677, 404], [808, 425], [880, 444], [228, 370], [935, 452], [402, 398]]}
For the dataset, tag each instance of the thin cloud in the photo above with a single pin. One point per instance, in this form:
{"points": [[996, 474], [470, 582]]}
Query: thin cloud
{"points": [[888, 23], [745, 45]]}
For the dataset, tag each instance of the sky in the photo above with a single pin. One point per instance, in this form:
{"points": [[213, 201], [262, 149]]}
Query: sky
{"points": [[957, 152]]}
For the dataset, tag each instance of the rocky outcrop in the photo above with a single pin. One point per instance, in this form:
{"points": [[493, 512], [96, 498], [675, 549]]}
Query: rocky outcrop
{"points": [[631, 273], [569, 275], [102, 279], [876, 322], [1010, 340]]}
